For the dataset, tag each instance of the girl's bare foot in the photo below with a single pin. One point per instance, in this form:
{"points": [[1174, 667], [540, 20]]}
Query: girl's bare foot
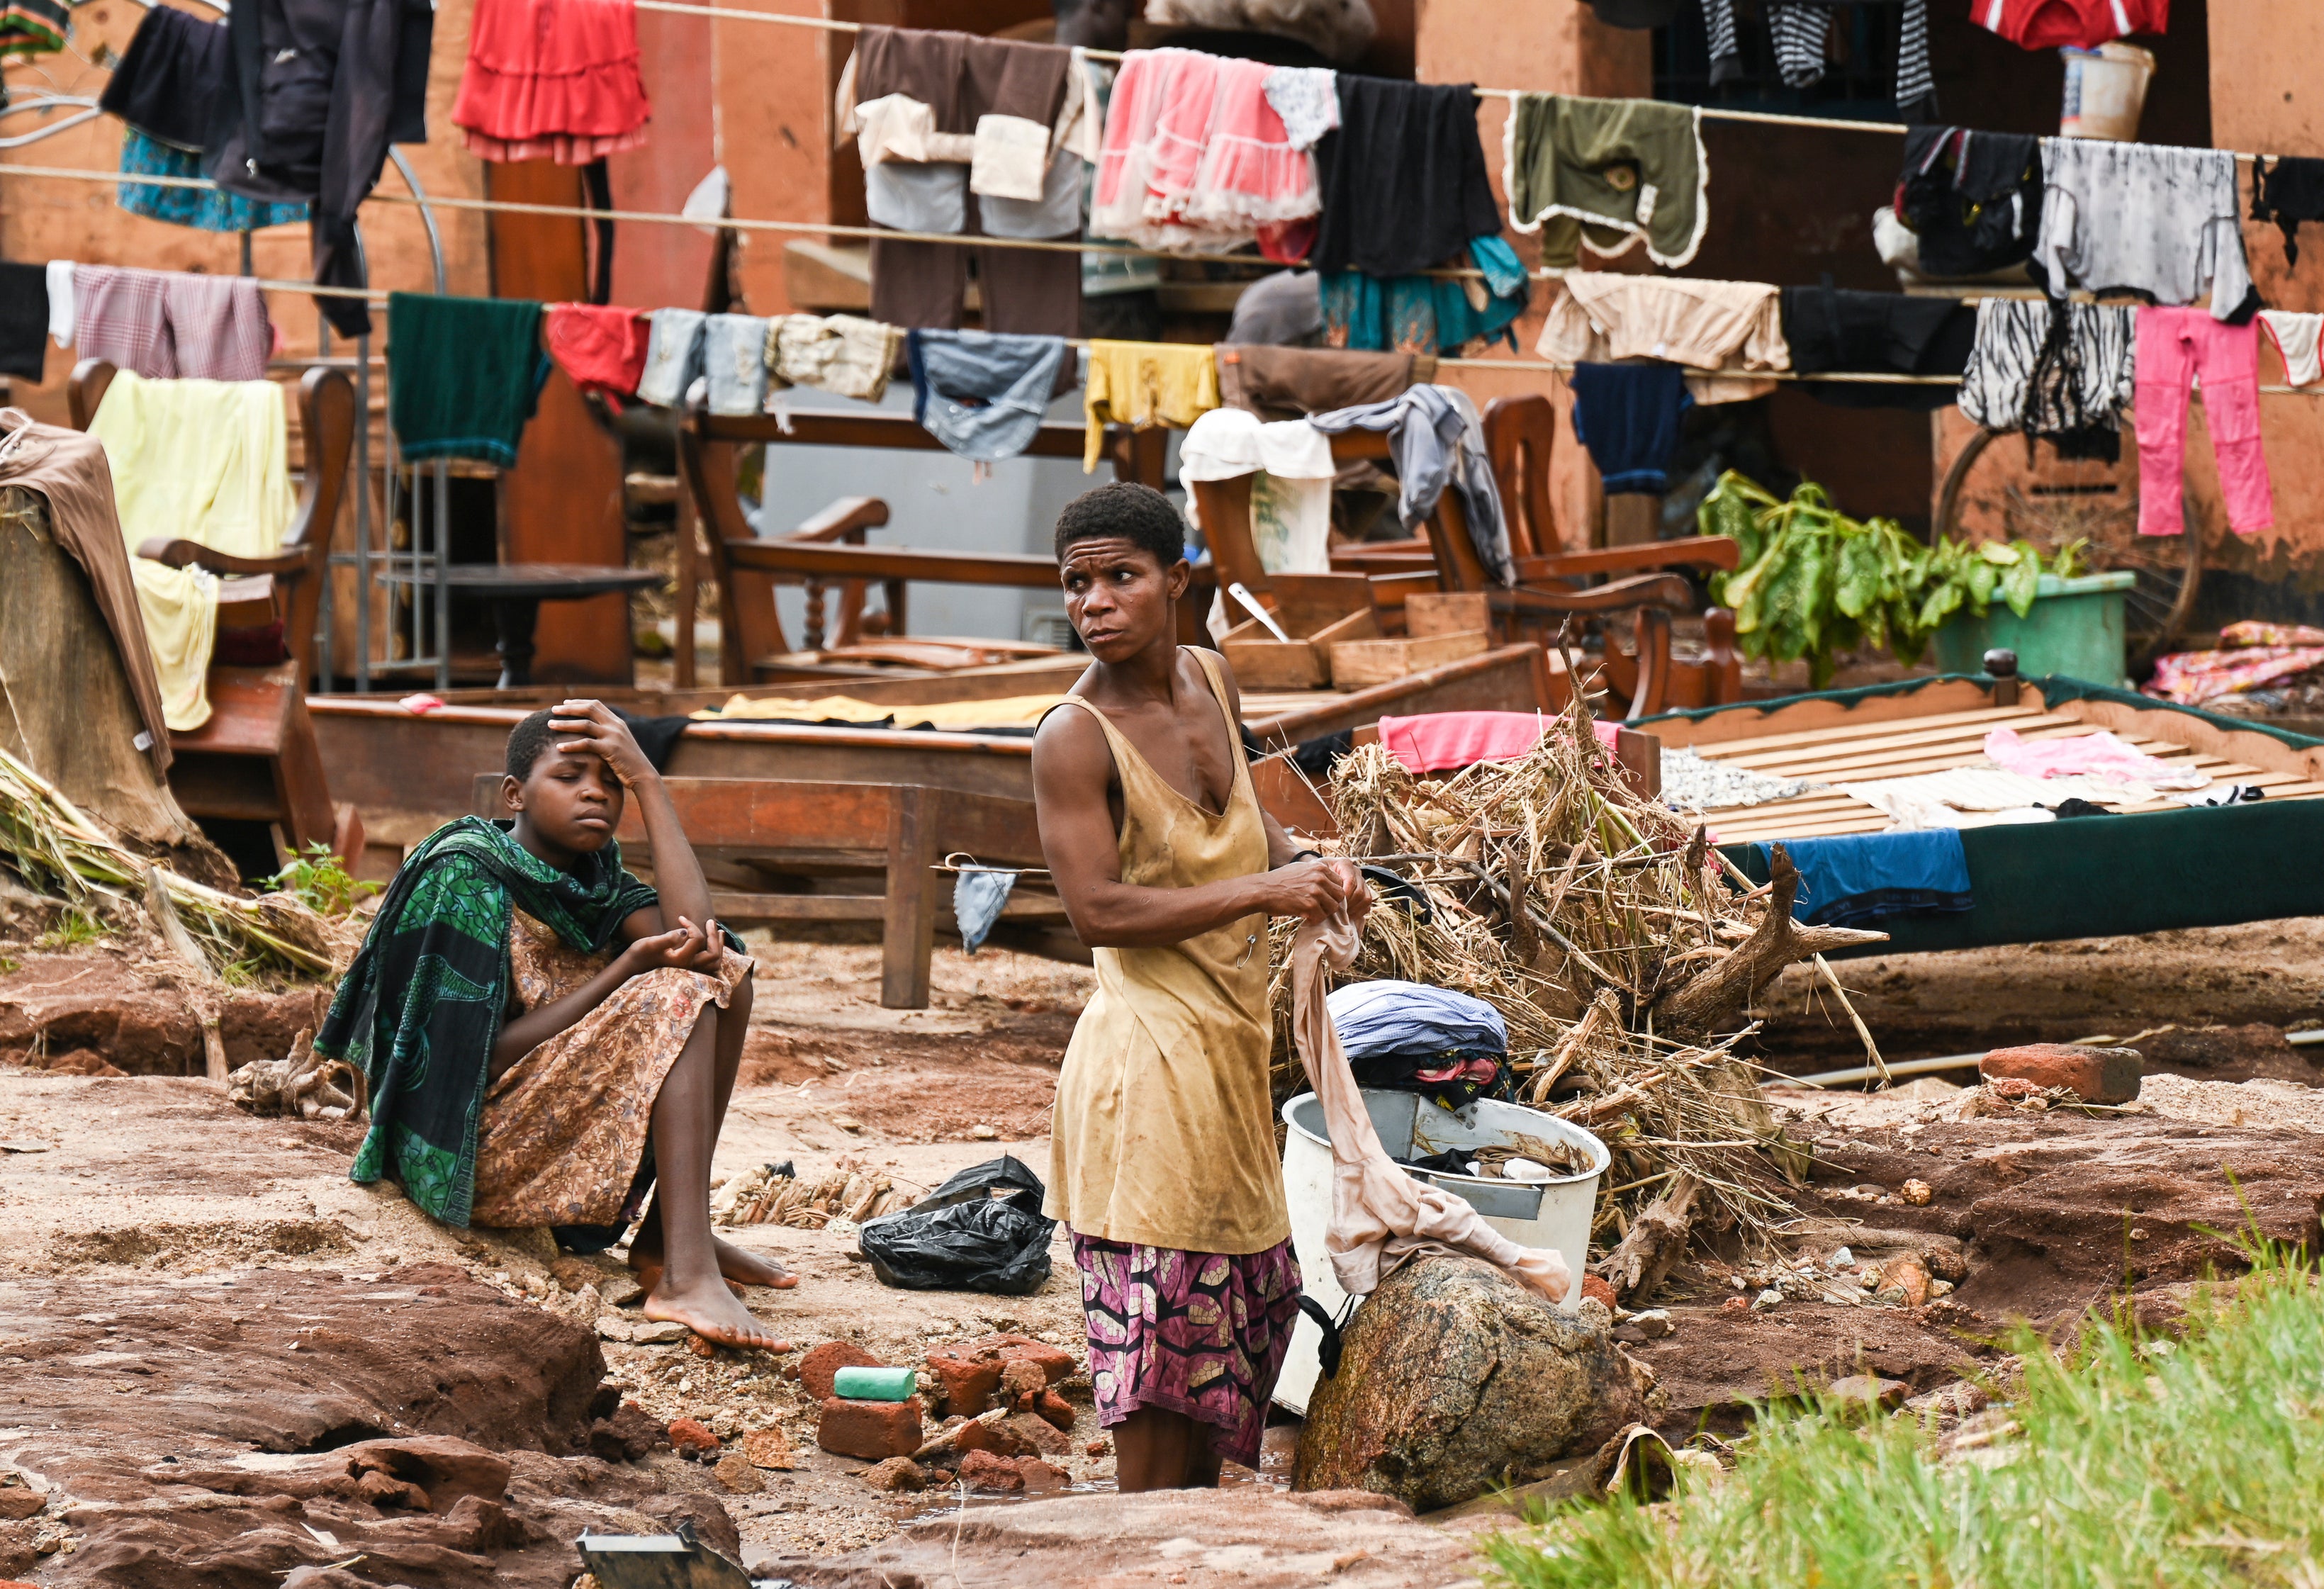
{"points": [[712, 1312], [739, 1265]]}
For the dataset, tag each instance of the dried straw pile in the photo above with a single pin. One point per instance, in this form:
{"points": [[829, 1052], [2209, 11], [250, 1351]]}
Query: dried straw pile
{"points": [[1624, 968]]}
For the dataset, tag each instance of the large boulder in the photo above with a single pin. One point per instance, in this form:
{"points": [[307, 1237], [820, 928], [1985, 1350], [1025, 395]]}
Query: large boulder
{"points": [[1453, 1378]]}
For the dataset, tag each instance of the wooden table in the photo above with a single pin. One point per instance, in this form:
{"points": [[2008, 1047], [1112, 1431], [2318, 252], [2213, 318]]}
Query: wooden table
{"points": [[516, 591]]}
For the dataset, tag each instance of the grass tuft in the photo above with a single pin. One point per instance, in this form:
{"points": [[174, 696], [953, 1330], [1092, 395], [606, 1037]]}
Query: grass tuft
{"points": [[75, 927], [2135, 1461]]}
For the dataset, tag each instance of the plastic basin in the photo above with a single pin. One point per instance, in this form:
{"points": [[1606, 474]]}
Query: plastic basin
{"points": [[2074, 629]]}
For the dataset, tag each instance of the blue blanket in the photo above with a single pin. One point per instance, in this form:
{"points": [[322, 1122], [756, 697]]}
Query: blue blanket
{"points": [[1849, 881]]}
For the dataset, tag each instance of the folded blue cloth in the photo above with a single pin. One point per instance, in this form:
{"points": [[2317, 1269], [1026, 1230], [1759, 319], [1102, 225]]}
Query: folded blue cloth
{"points": [[1848, 882], [1377, 1018]]}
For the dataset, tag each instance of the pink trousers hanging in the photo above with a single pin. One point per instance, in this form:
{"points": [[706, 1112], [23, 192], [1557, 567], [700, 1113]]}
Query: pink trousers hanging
{"points": [[2176, 348]]}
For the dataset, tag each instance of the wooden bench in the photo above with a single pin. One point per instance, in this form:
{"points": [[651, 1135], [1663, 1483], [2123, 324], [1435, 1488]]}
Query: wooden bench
{"points": [[769, 832], [829, 549], [257, 760]]}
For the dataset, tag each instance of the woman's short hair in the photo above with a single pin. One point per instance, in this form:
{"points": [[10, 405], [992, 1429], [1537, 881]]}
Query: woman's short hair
{"points": [[1138, 514], [527, 741]]}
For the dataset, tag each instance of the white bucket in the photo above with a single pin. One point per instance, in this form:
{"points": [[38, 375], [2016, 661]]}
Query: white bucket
{"points": [[2105, 90], [1553, 1214]]}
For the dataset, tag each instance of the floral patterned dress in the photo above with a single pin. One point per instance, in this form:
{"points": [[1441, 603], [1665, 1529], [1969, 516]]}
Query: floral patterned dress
{"points": [[565, 1128]]}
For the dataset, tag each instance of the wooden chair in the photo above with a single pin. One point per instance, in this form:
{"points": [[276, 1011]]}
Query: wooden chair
{"points": [[829, 550], [886, 838], [255, 760]]}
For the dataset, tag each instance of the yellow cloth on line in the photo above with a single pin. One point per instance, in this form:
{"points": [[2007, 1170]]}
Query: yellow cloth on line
{"points": [[1143, 384], [205, 461], [1013, 711]]}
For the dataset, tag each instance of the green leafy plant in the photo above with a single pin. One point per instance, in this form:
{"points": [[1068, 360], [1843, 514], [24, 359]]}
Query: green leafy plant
{"points": [[1814, 583], [75, 927], [317, 880]]}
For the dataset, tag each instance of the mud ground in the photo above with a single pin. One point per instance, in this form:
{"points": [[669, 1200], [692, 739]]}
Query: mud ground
{"points": [[207, 1327]]}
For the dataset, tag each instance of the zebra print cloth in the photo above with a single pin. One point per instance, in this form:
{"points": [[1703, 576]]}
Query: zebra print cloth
{"points": [[2057, 369], [1803, 39]]}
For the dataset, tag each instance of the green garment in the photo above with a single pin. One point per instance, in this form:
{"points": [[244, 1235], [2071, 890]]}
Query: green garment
{"points": [[1610, 171], [420, 1006], [463, 375]]}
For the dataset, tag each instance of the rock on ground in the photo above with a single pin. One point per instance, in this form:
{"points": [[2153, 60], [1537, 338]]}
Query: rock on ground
{"points": [[1249, 1537], [1454, 1377]]}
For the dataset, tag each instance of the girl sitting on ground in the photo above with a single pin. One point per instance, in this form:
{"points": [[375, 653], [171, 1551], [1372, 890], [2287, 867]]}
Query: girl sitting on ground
{"points": [[546, 1037]]}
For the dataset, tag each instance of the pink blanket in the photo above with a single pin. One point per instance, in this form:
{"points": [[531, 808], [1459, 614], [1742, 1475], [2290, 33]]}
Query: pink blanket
{"points": [[2100, 755], [1441, 740]]}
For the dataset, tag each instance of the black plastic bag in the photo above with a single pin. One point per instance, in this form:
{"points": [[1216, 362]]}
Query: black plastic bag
{"points": [[981, 1230]]}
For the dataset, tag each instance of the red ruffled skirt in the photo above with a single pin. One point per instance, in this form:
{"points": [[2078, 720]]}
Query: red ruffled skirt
{"points": [[554, 80]]}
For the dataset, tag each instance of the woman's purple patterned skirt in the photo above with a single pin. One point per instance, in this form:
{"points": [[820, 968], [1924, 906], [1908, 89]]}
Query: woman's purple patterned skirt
{"points": [[1201, 1333]]}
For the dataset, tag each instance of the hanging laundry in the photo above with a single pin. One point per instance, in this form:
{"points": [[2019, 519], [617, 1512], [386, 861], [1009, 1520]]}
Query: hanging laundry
{"points": [[844, 355], [735, 361], [208, 209], [673, 356], [1972, 199], [979, 394], [1307, 98], [1726, 54], [600, 348], [2177, 347], [941, 118], [552, 79], [1428, 314], [67, 469], [1143, 384], [1801, 36], [463, 375], [170, 324], [1835, 330], [33, 27], [1611, 173], [2288, 190], [24, 320], [2082, 25], [319, 91], [1291, 469], [60, 301], [1731, 328], [2162, 221], [1402, 178], [1197, 158], [205, 461], [1292, 382], [1437, 443], [2060, 371], [2295, 337], [1627, 415]]}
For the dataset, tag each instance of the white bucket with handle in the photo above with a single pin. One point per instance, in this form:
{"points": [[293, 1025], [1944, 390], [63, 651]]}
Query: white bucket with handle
{"points": [[2106, 91], [1553, 1213]]}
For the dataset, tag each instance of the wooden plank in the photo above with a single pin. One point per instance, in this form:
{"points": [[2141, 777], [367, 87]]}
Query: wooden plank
{"points": [[1015, 570], [1808, 716], [908, 932], [1820, 746], [2242, 743]]}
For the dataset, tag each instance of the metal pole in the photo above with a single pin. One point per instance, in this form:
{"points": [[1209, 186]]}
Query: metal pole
{"points": [[443, 605]]}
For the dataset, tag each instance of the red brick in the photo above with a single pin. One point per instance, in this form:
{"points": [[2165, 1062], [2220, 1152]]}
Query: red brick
{"points": [[1591, 1286], [689, 1438], [1021, 1377], [2098, 1075], [1055, 1362], [821, 1364], [966, 1382], [998, 1438], [980, 1470], [1054, 1410], [871, 1430], [1039, 1434]]}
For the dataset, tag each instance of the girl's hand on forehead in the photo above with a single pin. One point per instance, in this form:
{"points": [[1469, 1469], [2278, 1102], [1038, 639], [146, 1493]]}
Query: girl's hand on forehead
{"points": [[590, 728]]}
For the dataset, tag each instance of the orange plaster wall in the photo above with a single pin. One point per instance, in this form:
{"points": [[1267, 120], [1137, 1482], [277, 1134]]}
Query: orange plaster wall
{"points": [[1547, 46]]}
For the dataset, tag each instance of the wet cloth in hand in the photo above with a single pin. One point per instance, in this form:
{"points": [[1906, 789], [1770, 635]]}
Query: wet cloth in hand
{"points": [[983, 395], [1380, 1215], [421, 1003], [1610, 172], [1860, 878], [1627, 415], [1142, 385], [464, 377]]}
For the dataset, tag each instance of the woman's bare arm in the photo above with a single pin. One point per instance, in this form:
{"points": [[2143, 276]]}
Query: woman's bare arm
{"points": [[592, 728]]}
